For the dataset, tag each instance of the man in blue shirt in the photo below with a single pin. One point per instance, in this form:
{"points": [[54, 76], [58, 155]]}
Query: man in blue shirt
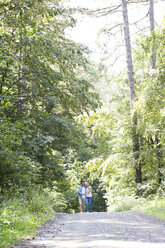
{"points": [[82, 195]]}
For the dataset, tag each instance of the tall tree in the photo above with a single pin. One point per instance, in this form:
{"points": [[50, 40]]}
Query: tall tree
{"points": [[152, 27], [135, 136], [153, 65]]}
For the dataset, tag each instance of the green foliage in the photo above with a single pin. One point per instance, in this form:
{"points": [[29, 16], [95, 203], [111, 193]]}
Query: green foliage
{"points": [[99, 202], [17, 169], [128, 203], [43, 88], [113, 159], [155, 208], [20, 216]]}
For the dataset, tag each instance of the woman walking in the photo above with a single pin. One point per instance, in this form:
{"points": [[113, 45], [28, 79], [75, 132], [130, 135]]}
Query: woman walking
{"points": [[89, 197]]}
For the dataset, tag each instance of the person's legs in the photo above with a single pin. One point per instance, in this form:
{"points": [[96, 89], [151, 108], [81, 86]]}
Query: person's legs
{"points": [[80, 204], [90, 203], [87, 204], [83, 204]]}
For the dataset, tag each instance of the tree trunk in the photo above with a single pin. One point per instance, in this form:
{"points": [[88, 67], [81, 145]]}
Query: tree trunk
{"points": [[3, 79], [128, 52], [152, 28], [152, 23], [135, 135], [21, 74], [0, 92], [159, 156], [153, 65]]}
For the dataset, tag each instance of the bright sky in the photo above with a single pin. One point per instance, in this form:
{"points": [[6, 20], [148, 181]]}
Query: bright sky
{"points": [[107, 48]]}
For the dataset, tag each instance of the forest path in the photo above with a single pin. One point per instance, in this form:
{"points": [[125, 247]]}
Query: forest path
{"points": [[100, 230]]}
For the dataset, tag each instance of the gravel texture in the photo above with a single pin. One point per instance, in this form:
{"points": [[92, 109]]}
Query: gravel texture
{"points": [[100, 230]]}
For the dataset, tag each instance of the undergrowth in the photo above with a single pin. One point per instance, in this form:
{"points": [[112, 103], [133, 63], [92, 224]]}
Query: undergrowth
{"points": [[21, 215], [155, 207]]}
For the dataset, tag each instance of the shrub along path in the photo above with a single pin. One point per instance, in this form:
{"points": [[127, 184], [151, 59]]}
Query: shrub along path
{"points": [[98, 230]]}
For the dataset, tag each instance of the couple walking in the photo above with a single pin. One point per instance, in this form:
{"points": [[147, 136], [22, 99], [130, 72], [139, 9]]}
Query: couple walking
{"points": [[85, 196]]}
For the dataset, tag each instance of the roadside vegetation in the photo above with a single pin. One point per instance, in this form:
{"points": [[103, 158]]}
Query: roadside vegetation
{"points": [[21, 215], [155, 207]]}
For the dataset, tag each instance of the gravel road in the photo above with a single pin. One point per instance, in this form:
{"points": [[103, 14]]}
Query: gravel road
{"points": [[100, 230]]}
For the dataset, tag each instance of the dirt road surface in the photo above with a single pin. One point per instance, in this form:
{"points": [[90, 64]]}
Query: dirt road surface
{"points": [[100, 230]]}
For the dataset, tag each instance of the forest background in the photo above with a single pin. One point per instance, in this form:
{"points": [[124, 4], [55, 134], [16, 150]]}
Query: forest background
{"points": [[65, 117]]}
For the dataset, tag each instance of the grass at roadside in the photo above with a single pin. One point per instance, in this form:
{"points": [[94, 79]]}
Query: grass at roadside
{"points": [[154, 207], [20, 216]]}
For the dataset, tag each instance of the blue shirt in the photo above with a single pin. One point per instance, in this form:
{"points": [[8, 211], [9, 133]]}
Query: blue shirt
{"points": [[80, 191]]}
